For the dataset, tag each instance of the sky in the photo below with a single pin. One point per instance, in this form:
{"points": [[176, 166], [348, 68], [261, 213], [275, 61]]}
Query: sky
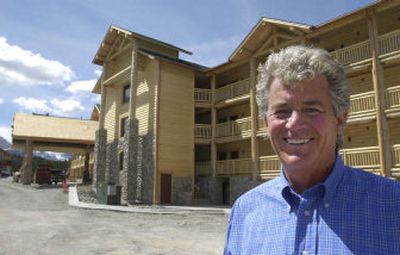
{"points": [[47, 46]]}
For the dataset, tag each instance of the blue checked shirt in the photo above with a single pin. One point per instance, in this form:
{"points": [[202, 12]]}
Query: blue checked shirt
{"points": [[352, 212]]}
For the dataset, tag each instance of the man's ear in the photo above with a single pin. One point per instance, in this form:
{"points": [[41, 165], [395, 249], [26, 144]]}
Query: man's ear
{"points": [[342, 119]]}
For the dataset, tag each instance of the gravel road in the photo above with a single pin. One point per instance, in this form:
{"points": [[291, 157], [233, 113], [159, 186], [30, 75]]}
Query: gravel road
{"points": [[39, 221]]}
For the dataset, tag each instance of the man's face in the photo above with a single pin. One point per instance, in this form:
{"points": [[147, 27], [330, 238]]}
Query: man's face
{"points": [[302, 125]]}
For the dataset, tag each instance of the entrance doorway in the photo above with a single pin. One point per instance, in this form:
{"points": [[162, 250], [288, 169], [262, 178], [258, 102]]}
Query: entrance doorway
{"points": [[225, 192], [166, 185]]}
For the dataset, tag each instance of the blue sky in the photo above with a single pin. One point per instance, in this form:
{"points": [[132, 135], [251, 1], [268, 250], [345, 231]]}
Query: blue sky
{"points": [[47, 46]]}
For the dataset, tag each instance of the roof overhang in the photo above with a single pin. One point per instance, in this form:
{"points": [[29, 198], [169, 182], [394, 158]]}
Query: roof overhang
{"points": [[114, 32], [53, 133], [265, 31]]}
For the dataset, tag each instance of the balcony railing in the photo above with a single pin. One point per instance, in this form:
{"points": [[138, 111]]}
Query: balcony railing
{"points": [[362, 105], [393, 98], [269, 166], [234, 128], [233, 90], [233, 166], [389, 42], [354, 53], [203, 96], [396, 156], [202, 131], [366, 158], [203, 168]]}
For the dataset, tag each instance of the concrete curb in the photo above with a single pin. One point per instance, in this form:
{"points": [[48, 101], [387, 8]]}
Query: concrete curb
{"points": [[73, 200]]}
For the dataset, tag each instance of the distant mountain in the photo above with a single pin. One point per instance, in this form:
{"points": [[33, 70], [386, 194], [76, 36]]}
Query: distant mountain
{"points": [[4, 144]]}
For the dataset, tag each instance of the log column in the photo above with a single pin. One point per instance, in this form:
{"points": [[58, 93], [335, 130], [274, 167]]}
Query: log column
{"points": [[254, 121], [213, 128], [380, 104], [27, 163]]}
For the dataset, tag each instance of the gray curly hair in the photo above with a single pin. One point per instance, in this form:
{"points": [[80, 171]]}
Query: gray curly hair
{"points": [[298, 63]]}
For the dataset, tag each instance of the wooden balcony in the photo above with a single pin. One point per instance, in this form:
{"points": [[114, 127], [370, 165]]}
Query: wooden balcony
{"points": [[232, 130], [233, 167], [366, 158], [359, 52], [233, 90], [202, 97], [202, 133], [395, 171], [389, 42], [392, 100], [203, 168], [362, 106], [269, 167]]}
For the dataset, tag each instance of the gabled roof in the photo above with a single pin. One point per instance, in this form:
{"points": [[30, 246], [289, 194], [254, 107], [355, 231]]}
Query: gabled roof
{"points": [[264, 33], [114, 32]]}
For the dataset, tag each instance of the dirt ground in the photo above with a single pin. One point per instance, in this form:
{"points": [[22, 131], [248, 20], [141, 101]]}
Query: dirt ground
{"points": [[39, 221]]}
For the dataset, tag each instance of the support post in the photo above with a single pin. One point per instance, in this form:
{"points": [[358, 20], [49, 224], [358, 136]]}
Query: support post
{"points": [[27, 163], [379, 90], [213, 128], [254, 120]]}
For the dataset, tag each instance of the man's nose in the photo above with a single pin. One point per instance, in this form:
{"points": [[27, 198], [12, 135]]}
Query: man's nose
{"points": [[295, 120]]}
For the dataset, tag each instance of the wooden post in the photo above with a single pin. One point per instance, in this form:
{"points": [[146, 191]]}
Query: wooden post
{"points": [[254, 120], [102, 114], [27, 163], [213, 128], [134, 79], [379, 90]]}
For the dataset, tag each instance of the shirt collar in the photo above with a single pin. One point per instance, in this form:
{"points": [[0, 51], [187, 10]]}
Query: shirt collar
{"points": [[330, 184]]}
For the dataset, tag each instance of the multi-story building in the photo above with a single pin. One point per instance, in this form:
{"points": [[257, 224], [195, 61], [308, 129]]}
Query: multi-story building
{"points": [[195, 131]]}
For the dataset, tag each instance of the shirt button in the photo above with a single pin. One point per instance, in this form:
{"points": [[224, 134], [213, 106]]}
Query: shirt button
{"points": [[304, 253], [326, 205], [307, 213]]}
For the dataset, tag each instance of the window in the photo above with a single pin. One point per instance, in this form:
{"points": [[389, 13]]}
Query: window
{"points": [[122, 126], [126, 93], [234, 154]]}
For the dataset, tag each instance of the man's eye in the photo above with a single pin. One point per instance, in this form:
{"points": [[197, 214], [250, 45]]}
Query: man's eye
{"points": [[282, 114], [312, 111]]}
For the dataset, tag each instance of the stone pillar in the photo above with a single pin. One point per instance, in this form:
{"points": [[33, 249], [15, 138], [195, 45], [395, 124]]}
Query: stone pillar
{"points": [[111, 163], [147, 167], [129, 176], [26, 168], [99, 168], [380, 104], [85, 177], [215, 191]]}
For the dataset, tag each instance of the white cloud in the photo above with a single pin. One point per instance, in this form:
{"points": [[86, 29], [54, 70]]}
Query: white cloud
{"points": [[33, 104], [85, 86], [5, 132], [1, 100], [97, 73], [66, 107], [59, 107], [24, 68]]}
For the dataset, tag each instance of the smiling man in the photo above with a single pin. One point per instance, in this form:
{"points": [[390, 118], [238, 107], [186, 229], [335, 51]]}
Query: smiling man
{"points": [[317, 205]]}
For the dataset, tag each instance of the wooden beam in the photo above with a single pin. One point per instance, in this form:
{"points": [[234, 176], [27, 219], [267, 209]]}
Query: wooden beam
{"points": [[213, 128], [254, 120], [379, 89]]}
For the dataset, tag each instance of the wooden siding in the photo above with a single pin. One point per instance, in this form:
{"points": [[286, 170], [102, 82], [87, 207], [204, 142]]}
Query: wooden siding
{"points": [[176, 121], [110, 122], [360, 135], [394, 129], [361, 83], [392, 76]]}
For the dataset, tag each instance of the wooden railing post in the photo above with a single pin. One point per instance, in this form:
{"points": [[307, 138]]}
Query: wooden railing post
{"points": [[254, 120], [213, 150]]}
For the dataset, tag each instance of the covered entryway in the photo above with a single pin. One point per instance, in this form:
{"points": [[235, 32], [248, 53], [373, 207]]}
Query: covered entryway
{"points": [[44, 133]]}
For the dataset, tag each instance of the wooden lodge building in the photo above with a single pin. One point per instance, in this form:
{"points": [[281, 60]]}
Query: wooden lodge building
{"points": [[171, 131]]}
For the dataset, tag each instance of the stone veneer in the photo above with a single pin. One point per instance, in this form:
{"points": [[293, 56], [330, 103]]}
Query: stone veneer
{"points": [[238, 185], [128, 178], [182, 190], [99, 167]]}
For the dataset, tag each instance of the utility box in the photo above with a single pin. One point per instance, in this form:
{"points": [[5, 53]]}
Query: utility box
{"points": [[108, 194]]}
